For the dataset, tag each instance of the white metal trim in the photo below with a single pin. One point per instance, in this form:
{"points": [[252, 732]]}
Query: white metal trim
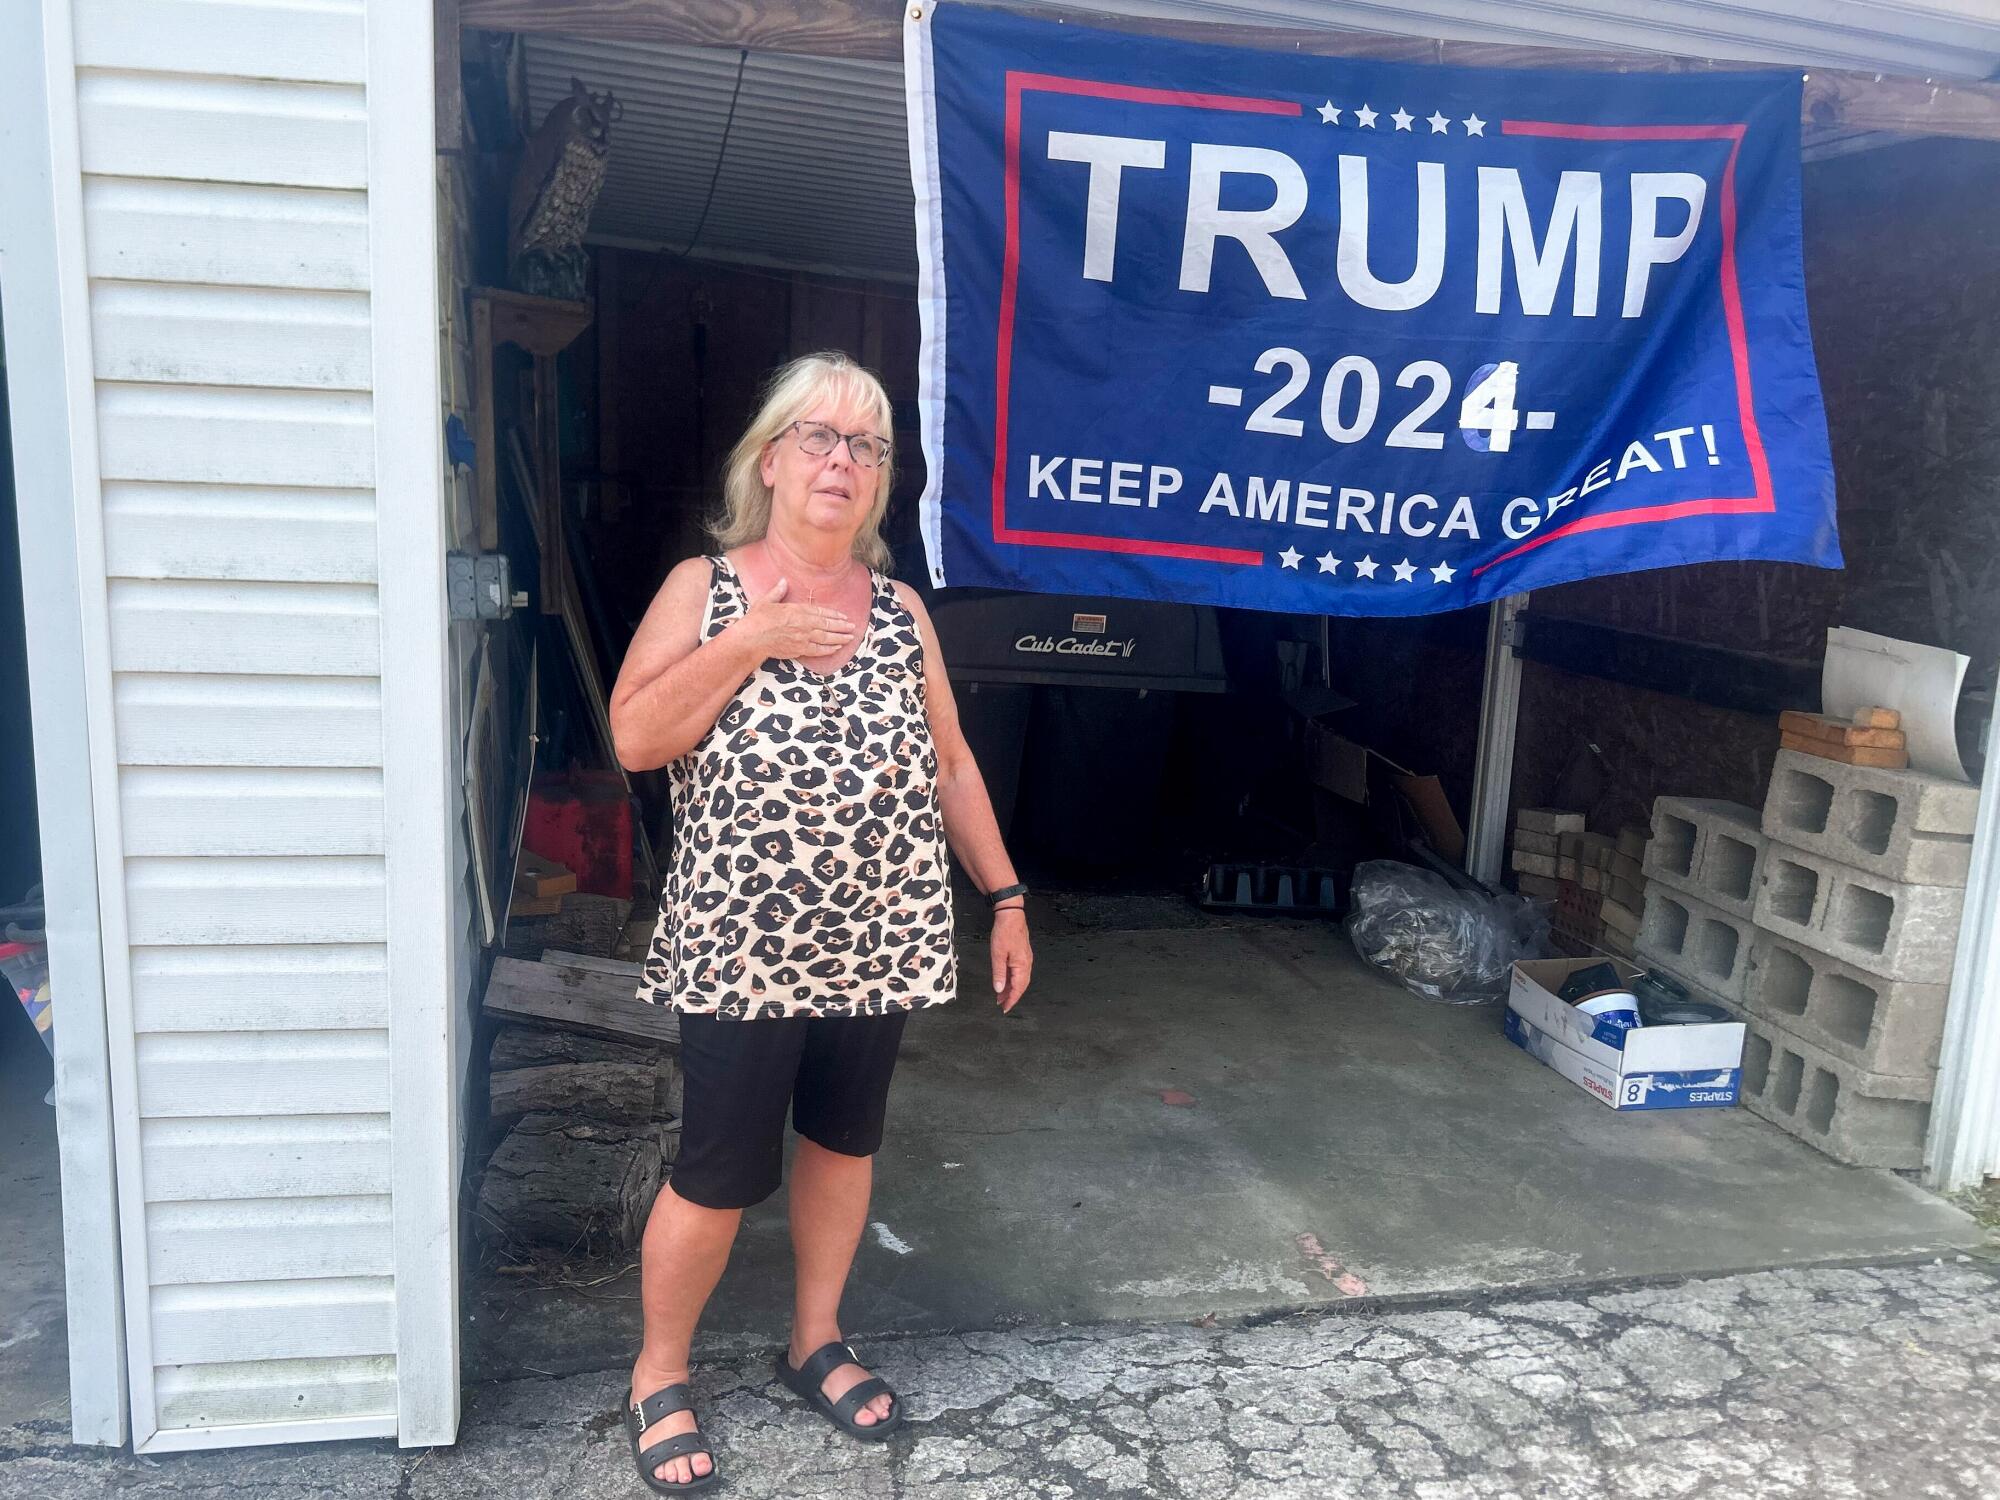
{"points": [[1964, 1144], [922, 119], [263, 1434], [47, 331], [1499, 717], [418, 789], [94, 618]]}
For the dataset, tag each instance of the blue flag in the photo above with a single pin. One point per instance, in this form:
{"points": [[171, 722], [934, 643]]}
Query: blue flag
{"points": [[1346, 337]]}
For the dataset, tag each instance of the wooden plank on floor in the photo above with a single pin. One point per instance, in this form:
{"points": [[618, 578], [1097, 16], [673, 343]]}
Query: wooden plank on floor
{"points": [[577, 998]]}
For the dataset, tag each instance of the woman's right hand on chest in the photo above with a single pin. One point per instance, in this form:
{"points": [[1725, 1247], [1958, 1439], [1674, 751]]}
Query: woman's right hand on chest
{"points": [[786, 630]]}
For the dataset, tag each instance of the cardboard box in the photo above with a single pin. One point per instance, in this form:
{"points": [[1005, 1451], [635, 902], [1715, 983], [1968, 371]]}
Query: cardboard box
{"points": [[1648, 1067], [1338, 764]]}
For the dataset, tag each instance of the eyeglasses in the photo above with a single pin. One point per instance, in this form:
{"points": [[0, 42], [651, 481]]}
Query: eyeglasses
{"points": [[818, 439]]}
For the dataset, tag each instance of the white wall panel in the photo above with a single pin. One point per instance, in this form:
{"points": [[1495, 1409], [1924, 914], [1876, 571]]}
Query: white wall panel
{"points": [[317, 41], [195, 719], [223, 130], [280, 1156], [274, 1320], [197, 434], [312, 1390], [226, 233], [221, 901], [227, 1073], [233, 238], [278, 987], [196, 810], [239, 532], [215, 626], [268, 1239], [227, 336]]}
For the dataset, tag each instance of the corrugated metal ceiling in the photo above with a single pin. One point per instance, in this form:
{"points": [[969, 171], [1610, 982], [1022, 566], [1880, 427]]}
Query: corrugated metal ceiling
{"points": [[816, 174]]}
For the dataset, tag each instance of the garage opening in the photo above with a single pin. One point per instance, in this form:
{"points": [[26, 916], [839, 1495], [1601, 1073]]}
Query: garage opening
{"points": [[1207, 1103]]}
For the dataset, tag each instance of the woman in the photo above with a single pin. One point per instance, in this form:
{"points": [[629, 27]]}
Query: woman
{"points": [[797, 696]]}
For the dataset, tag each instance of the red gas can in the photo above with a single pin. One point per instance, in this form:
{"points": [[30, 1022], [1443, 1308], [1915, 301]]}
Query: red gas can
{"points": [[583, 819]]}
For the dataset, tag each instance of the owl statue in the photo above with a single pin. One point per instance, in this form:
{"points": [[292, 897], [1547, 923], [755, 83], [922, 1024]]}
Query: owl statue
{"points": [[561, 171]]}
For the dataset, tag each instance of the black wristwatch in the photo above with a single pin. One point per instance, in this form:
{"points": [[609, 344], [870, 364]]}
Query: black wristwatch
{"points": [[994, 898]]}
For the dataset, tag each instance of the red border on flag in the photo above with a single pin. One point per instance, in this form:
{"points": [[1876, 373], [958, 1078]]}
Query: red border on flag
{"points": [[1765, 499], [1019, 83]]}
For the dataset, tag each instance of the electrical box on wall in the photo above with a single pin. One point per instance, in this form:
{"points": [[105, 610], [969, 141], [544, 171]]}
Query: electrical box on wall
{"points": [[480, 586]]}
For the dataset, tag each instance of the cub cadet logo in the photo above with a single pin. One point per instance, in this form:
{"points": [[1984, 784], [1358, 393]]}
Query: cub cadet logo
{"points": [[1069, 645]]}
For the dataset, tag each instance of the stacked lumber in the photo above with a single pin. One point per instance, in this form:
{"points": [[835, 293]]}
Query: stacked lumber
{"points": [[539, 886], [585, 1090], [1873, 737]]}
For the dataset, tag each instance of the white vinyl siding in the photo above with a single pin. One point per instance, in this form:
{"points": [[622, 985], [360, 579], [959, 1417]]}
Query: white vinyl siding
{"points": [[225, 172]]}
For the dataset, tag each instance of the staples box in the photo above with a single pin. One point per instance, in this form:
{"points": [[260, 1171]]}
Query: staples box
{"points": [[1647, 1067]]}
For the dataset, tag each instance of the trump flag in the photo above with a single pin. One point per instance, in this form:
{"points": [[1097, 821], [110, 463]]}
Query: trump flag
{"points": [[1335, 336]]}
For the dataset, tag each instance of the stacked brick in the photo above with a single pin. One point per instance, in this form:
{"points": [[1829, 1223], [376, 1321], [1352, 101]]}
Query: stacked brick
{"points": [[1538, 836], [1596, 883], [1828, 923]]}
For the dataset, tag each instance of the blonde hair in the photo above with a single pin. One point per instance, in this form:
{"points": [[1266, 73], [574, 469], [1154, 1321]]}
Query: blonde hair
{"points": [[792, 391]]}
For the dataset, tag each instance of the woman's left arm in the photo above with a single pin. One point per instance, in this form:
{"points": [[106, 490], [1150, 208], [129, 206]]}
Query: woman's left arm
{"points": [[969, 824]]}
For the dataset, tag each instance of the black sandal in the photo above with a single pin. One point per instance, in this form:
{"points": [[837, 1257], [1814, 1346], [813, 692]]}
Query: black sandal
{"points": [[808, 1378], [657, 1407]]}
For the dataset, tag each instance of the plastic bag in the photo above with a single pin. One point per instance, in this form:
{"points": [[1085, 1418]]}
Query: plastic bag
{"points": [[1439, 941]]}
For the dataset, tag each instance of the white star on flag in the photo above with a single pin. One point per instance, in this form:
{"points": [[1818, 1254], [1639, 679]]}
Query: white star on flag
{"points": [[1443, 573], [1474, 125], [1402, 117], [1365, 117], [1365, 568], [1289, 558], [1328, 562], [1329, 113], [1405, 571], [1439, 124]]}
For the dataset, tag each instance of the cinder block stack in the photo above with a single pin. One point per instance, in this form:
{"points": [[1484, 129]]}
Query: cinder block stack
{"points": [[1829, 924], [1703, 863]]}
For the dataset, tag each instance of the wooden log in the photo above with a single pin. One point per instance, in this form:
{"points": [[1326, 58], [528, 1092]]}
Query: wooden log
{"points": [[586, 924], [618, 1093], [573, 1185], [536, 1046], [577, 999], [1834, 99]]}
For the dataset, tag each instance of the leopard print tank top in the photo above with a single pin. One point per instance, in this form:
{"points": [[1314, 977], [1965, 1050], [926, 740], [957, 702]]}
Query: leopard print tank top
{"points": [[810, 874]]}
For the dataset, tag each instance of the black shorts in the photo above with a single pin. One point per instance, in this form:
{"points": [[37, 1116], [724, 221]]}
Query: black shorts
{"points": [[831, 1072]]}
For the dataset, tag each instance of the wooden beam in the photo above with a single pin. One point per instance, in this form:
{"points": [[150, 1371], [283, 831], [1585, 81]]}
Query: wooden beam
{"points": [[548, 488], [573, 998], [485, 453], [872, 29], [541, 325], [815, 28], [450, 91]]}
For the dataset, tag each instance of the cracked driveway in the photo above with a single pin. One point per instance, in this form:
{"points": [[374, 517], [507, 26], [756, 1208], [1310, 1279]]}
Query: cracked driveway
{"points": [[1826, 1383]]}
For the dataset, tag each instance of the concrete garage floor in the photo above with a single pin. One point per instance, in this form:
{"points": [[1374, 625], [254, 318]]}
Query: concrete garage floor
{"points": [[1345, 1139]]}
